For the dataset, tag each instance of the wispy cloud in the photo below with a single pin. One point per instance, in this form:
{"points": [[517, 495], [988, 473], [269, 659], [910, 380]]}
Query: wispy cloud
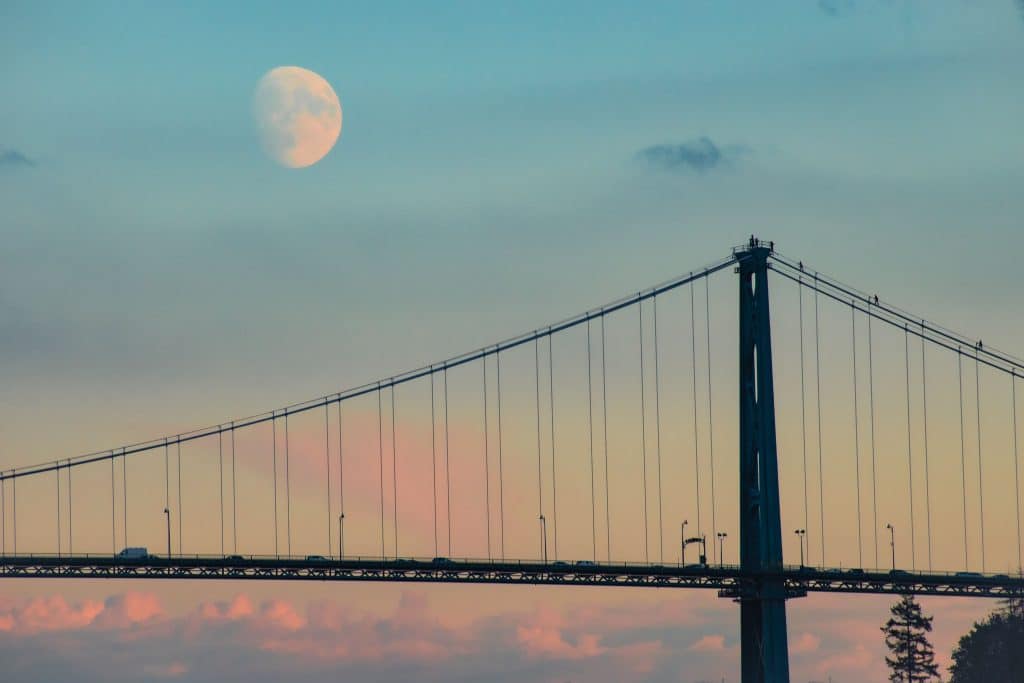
{"points": [[834, 8], [700, 155], [12, 158]]}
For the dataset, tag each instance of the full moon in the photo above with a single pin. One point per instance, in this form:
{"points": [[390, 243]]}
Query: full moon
{"points": [[298, 116]]}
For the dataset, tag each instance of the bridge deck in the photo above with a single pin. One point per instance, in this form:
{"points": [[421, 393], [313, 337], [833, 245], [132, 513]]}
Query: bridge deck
{"points": [[727, 579]]}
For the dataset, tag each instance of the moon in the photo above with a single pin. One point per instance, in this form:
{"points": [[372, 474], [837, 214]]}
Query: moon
{"points": [[298, 116]]}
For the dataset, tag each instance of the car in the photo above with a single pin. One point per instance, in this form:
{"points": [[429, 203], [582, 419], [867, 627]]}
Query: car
{"points": [[856, 570], [234, 558], [440, 561], [315, 558], [967, 575], [559, 563], [136, 553], [586, 563]]}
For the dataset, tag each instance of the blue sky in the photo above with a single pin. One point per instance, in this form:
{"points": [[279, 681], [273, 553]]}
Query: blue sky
{"points": [[160, 272]]}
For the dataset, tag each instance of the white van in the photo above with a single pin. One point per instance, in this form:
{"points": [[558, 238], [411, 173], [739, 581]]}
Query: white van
{"points": [[133, 554]]}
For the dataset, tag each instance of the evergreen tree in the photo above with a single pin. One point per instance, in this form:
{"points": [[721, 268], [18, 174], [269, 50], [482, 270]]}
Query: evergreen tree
{"points": [[993, 650], [912, 657]]}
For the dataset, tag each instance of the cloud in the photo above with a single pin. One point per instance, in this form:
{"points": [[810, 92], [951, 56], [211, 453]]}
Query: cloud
{"points": [[700, 155], [712, 643], [12, 158], [834, 8]]}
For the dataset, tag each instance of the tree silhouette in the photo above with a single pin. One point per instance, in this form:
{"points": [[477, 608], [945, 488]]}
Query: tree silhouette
{"points": [[994, 649], [912, 657]]}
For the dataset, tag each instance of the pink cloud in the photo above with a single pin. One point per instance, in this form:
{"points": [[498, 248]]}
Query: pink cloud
{"points": [[712, 643], [805, 642], [543, 637]]}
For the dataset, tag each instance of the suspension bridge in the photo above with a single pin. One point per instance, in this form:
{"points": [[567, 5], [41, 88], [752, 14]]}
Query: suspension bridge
{"points": [[581, 452]]}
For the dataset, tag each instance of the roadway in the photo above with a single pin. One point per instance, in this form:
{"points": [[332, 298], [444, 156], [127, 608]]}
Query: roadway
{"points": [[729, 580]]}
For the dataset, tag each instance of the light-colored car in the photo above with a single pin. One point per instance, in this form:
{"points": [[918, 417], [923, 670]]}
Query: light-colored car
{"points": [[133, 554]]}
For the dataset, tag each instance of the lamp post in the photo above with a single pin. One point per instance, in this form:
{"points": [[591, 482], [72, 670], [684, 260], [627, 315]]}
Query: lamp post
{"points": [[721, 547], [682, 541], [341, 535], [544, 538], [167, 513], [801, 534], [892, 543]]}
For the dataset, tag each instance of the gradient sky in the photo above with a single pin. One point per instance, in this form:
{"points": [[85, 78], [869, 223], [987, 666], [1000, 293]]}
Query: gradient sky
{"points": [[494, 174]]}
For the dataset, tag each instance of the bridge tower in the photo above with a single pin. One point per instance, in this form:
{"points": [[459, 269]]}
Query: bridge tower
{"points": [[764, 648]]}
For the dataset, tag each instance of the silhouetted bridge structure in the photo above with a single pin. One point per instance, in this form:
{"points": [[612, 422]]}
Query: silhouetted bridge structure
{"points": [[612, 478]]}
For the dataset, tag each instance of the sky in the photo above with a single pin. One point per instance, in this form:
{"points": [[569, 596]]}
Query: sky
{"points": [[499, 168]]}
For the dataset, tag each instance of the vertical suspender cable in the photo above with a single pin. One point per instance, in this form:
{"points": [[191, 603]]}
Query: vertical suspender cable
{"points": [[167, 475], [817, 394], [981, 496], [57, 472], [220, 461], [3, 517], [910, 460], [327, 460], [1017, 474], [234, 495], [394, 466], [487, 460], [604, 422], [124, 492], [447, 467], [803, 397], [693, 373], [277, 526], [554, 477], [540, 489], [433, 449], [856, 431], [113, 508], [927, 478], [380, 467], [643, 431], [179, 496], [501, 468], [71, 536], [963, 450], [657, 434], [288, 482], [341, 486], [711, 422], [590, 435], [871, 407], [14, 511]]}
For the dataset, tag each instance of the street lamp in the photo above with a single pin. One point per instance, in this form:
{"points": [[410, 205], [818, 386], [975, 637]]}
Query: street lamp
{"points": [[341, 535], [544, 537], [682, 541], [167, 513], [801, 534], [892, 543], [721, 547]]}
